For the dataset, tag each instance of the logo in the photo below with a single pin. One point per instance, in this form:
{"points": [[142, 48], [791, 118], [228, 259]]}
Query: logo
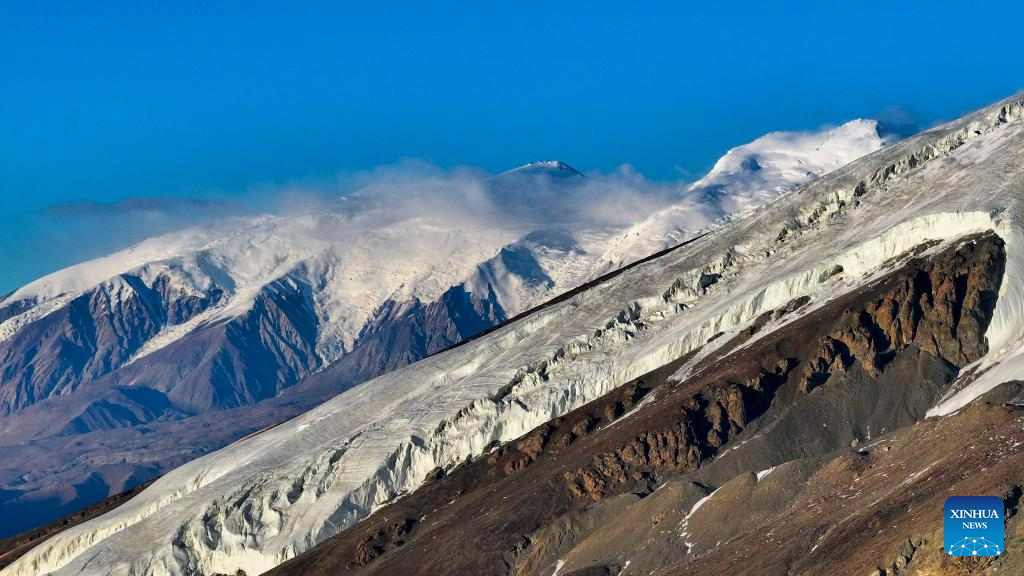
{"points": [[973, 526]]}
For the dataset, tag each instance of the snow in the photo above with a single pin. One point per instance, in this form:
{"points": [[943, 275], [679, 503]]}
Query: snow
{"points": [[774, 163], [544, 165], [744, 179], [83, 276], [684, 524], [355, 262], [700, 503], [172, 333], [269, 497]]}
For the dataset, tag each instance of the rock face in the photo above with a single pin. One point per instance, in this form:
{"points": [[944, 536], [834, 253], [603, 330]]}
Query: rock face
{"points": [[250, 358], [944, 311], [89, 337], [852, 516], [656, 473], [398, 335], [236, 363]]}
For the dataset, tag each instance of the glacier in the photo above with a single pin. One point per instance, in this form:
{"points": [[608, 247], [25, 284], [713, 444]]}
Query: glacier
{"points": [[264, 499]]}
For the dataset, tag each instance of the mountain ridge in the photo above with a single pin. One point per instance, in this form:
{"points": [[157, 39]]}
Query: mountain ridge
{"points": [[378, 441]]}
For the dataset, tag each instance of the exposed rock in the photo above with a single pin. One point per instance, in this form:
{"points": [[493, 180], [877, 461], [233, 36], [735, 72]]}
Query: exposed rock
{"points": [[943, 311], [89, 337], [852, 516], [705, 422], [379, 542]]}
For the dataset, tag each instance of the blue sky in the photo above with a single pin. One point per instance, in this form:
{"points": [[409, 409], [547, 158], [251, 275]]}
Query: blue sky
{"points": [[109, 102]]}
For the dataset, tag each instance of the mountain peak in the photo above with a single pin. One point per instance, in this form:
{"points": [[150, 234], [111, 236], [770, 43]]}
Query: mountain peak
{"points": [[547, 166]]}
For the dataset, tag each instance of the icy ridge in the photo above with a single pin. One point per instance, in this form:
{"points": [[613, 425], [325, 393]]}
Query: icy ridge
{"points": [[880, 178], [1005, 336], [745, 178]]}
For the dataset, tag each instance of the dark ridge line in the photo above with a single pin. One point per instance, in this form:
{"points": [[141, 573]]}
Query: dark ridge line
{"points": [[571, 293]]}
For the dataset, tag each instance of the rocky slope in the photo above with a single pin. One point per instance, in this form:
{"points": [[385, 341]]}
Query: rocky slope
{"points": [[116, 370]]}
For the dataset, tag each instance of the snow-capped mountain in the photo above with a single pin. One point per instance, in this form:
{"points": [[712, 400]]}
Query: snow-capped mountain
{"points": [[137, 352], [745, 178], [854, 306]]}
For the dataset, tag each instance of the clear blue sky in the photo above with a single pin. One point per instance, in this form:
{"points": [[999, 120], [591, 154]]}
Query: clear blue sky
{"points": [[106, 101]]}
